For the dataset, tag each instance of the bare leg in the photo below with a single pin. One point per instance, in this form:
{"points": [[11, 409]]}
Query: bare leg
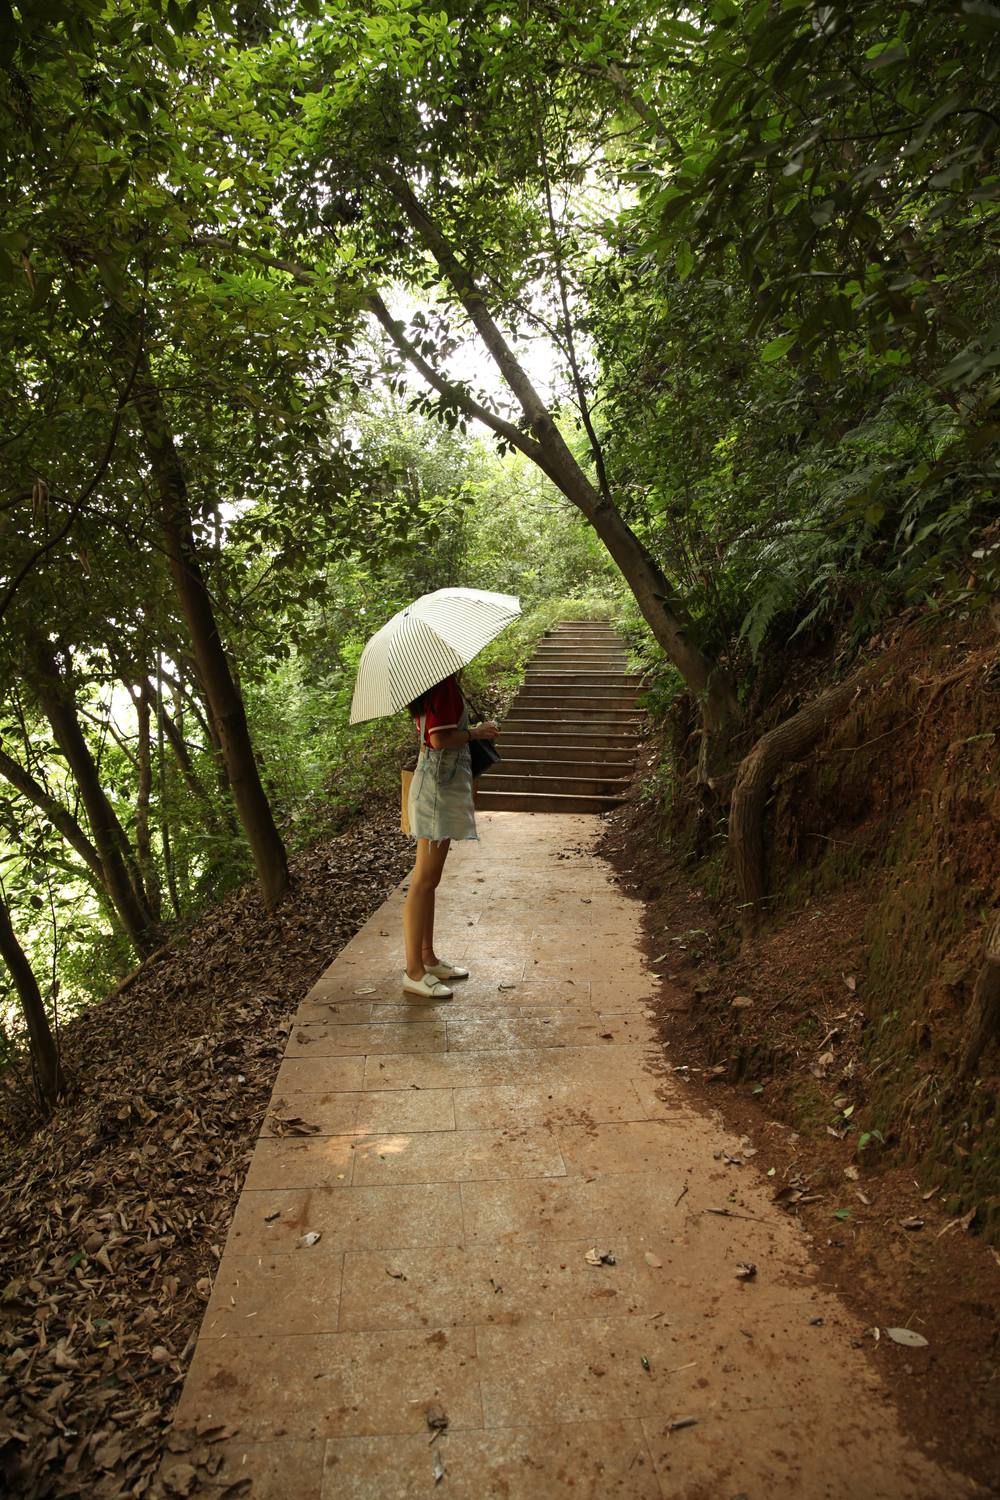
{"points": [[427, 937], [418, 909]]}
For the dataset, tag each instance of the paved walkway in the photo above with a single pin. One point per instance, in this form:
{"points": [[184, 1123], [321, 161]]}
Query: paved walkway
{"points": [[469, 1157]]}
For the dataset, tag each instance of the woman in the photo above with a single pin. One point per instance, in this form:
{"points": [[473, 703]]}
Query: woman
{"points": [[440, 809]]}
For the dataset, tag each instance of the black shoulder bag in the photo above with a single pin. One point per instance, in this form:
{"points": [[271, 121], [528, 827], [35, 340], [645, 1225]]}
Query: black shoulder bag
{"points": [[483, 753]]}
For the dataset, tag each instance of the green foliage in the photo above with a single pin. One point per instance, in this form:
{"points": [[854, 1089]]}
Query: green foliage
{"points": [[659, 786], [747, 252], [795, 314]]}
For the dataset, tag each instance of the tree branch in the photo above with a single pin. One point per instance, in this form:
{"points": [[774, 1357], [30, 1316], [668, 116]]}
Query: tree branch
{"points": [[456, 395], [81, 499], [59, 816], [595, 445]]}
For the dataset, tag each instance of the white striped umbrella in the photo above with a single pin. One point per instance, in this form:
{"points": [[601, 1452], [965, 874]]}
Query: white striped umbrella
{"points": [[434, 636]]}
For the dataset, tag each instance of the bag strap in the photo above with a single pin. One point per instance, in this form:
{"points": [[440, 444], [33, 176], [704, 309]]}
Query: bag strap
{"points": [[480, 716]]}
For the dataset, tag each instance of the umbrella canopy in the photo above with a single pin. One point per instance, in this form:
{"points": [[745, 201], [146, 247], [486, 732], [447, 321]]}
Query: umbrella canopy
{"points": [[434, 636]]}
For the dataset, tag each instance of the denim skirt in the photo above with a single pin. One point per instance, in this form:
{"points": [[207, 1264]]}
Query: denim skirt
{"points": [[440, 804]]}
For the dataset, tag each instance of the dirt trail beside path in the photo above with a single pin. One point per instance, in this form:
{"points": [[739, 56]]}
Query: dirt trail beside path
{"points": [[460, 1164]]}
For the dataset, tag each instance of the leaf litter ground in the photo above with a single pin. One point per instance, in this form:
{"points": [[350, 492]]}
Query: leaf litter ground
{"points": [[114, 1214]]}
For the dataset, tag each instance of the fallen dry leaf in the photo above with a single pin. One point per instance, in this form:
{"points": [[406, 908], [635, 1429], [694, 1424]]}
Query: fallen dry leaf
{"points": [[437, 1417], [599, 1258], [908, 1337], [679, 1423], [966, 1222], [292, 1125]]}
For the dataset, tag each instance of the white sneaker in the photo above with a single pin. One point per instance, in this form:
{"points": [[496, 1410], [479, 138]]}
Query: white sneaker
{"points": [[428, 988], [447, 971]]}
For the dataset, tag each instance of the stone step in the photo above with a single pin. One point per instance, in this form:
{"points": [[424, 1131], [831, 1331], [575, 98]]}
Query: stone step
{"points": [[519, 763], [570, 740], [583, 637], [579, 677], [578, 661], [577, 786], [556, 691], [565, 720], [562, 705], [581, 630], [613, 749], [616, 687], [594, 779], [528, 717], [592, 647], [587, 648], [557, 643], [582, 697], [544, 802]]}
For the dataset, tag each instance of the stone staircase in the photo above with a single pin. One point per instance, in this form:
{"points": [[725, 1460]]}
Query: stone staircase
{"points": [[569, 740]]}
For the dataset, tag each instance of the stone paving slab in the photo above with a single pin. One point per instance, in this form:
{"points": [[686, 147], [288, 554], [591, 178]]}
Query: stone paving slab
{"points": [[333, 1384], [462, 1162], [588, 1461], [414, 1214]]}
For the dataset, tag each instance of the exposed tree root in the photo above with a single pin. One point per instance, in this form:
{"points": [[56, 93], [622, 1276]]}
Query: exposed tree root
{"points": [[984, 1023], [757, 771]]}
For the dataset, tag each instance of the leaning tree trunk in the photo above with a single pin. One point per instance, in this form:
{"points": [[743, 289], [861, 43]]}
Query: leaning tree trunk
{"points": [[58, 816], [664, 612], [167, 729], [224, 701], [984, 1024], [161, 782], [756, 774], [57, 705], [193, 691], [143, 838], [48, 1072], [186, 689]]}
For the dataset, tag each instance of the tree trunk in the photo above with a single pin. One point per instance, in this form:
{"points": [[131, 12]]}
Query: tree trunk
{"points": [[757, 771], [167, 729], [161, 774], [224, 702], [187, 690], [45, 1063], [143, 840], [984, 1025], [60, 818], [109, 836], [664, 612]]}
